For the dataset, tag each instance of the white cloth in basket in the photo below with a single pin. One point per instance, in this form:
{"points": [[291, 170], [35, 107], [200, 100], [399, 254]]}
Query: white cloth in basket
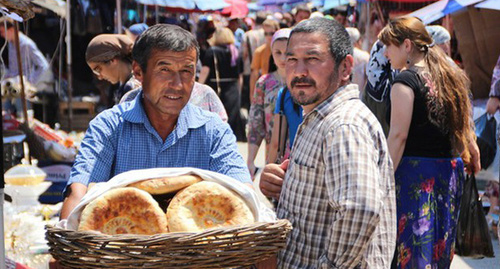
{"points": [[261, 212]]}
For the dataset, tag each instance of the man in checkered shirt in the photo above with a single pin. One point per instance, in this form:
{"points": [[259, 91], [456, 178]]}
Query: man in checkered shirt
{"points": [[337, 189]]}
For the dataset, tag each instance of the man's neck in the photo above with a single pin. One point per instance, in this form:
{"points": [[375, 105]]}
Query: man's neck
{"points": [[163, 124]]}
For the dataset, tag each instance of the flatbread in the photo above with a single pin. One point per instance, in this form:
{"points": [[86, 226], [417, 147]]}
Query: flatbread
{"points": [[124, 211], [164, 185], [206, 205]]}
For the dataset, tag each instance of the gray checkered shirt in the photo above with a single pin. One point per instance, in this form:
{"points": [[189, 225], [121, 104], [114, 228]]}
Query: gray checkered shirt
{"points": [[338, 191]]}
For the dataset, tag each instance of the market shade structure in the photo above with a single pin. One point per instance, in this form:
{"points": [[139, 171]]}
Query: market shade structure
{"points": [[489, 4], [202, 5], [277, 2], [329, 4], [398, 1], [436, 11], [237, 9], [57, 6]]}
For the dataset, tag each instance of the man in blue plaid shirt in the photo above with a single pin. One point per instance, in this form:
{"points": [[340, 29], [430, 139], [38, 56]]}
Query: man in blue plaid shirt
{"points": [[159, 128], [337, 189]]}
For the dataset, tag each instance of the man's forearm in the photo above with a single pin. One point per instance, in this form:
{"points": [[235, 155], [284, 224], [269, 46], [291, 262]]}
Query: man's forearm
{"points": [[253, 80], [77, 191]]}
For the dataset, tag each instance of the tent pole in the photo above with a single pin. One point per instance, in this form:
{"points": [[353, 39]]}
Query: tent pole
{"points": [[68, 62], [2, 202], [366, 42], [20, 68], [118, 16], [157, 15]]}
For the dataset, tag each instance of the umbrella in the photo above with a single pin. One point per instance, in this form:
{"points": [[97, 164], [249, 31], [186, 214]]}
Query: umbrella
{"points": [[277, 2], [440, 9], [489, 4], [237, 9], [57, 6], [188, 4]]}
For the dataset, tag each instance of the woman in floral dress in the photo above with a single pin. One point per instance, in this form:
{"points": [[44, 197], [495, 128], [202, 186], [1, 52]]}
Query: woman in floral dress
{"points": [[260, 118], [429, 131]]}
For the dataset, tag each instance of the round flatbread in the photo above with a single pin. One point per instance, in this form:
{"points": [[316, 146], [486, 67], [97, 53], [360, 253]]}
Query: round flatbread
{"points": [[205, 205], [164, 185], [124, 211]]}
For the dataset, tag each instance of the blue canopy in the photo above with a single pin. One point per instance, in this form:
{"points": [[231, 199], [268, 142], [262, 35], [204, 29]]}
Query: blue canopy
{"points": [[329, 4]]}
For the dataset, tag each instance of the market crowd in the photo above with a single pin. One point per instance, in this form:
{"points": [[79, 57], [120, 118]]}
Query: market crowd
{"points": [[366, 152]]}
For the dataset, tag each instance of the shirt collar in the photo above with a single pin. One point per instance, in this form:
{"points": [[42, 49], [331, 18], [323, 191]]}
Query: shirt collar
{"points": [[189, 118], [340, 96]]}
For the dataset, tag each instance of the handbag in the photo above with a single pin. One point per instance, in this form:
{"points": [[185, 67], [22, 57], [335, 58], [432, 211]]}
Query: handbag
{"points": [[473, 236], [486, 126]]}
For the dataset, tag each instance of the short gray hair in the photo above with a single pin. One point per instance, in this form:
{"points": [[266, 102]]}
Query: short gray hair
{"points": [[163, 37]]}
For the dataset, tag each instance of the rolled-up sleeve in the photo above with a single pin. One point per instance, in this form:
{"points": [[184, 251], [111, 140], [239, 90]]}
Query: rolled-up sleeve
{"points": [[352, 182], [96, 155]]}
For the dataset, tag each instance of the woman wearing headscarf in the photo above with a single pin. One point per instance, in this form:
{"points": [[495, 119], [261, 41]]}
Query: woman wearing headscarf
{"points": [[221, 67], [110, 58], [263, 101]]}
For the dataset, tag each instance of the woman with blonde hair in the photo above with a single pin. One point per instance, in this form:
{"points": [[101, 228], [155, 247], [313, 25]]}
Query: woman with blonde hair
{"points": [[221, 67], [430, 128]]}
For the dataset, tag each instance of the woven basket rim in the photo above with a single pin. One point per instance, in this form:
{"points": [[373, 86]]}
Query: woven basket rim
{"points": [[171, 235], [226, 247]]}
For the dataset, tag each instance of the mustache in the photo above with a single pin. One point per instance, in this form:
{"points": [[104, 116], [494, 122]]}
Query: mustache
{"points": [[307, 80]]}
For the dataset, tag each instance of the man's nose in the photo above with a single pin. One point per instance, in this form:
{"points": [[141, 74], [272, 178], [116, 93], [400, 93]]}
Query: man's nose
{"points": [[301, 69], [176, 82]]}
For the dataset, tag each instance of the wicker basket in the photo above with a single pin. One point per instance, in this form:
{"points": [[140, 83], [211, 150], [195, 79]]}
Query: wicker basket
{"points": [[233, 247]]}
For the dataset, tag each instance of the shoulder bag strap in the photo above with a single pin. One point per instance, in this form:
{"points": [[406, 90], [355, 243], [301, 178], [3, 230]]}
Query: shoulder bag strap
{"points": [[282, 129], [217, 78]]}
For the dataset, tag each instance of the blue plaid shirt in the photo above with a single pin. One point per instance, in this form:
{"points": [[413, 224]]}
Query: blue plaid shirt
{"points": [[122, 139]]}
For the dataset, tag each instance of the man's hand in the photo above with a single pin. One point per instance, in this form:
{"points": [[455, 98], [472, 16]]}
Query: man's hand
{"points": [[271, 263], [76, 192], [475, 159], [493, 105], [54, 264], [271, 179]]}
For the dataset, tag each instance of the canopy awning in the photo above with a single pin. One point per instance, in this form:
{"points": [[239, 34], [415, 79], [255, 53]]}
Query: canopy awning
{"points": [[489, 4], [56, 6], [436, 11]]}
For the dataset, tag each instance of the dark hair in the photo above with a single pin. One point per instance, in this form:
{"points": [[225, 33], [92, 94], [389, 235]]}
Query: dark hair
{"points": [[335, 33], [452, 106], [260, 17], [164, 37]]}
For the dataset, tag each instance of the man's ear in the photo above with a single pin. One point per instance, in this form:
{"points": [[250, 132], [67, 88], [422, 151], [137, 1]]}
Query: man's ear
{"points": [[346, 68], [137, 70]]}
